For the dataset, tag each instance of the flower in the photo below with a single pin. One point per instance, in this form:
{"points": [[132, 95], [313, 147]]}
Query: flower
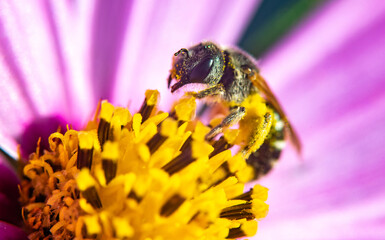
{"points": [[147, 175], [60, 56], [328, 74]]}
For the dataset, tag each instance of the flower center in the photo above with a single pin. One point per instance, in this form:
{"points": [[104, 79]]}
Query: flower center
{"points": [[150, 175]]}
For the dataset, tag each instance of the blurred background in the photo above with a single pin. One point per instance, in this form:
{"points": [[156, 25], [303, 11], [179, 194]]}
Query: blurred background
{"points": [[324, 60], [272, 21]]}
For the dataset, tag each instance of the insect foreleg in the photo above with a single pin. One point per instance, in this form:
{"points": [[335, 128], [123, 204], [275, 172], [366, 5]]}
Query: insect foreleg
{"points": [[259, 134], [231, 119], [212, 91], [264, 158]]}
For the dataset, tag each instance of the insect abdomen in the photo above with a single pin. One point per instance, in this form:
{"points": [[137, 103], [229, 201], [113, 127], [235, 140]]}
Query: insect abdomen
{"points": [[264, 158]]}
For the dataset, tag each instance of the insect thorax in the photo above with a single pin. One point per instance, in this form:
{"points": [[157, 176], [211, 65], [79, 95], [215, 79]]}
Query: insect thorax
{"points": [[235, 82]]}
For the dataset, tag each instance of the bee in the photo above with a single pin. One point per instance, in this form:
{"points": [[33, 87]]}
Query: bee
{"points": [[232, 77]]}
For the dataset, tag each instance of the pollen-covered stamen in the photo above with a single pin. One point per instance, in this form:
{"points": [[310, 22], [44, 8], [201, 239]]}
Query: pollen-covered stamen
{"points": [[257, 192], [181, 161], [110, 157], [250, 210], [155, 142], [185, 109], [225, 173], [92, 197], [85, 151], [149, 104], [247, 229], [167, 128], [172, 205], [220, 146], [134, 196], [104, 126], [122, 191], [245, 196], [87, 185], [193, 148], [238, 212]]}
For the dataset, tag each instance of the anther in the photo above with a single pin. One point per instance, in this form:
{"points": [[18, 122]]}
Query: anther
{"points": [[220, 146], [149, 104], [110, 157], [104, 126], [238, 212], [87, 185], [172, 205], [85, 151]]}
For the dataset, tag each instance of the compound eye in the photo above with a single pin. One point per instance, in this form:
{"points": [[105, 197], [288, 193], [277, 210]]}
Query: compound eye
{"points": [[202, 70]]}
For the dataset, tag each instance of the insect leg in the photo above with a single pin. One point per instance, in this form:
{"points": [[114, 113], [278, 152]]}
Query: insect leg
{"points": [[264, 158], [232, 118], [169, 80], [258, 135], [212, 91]]}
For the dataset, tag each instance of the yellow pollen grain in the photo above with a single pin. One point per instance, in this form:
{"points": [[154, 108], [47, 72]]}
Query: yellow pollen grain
{"points": [[152, 97], [106, 224], [123, 114], [100, 175], [169, 127], [259, 209], [122, 227], [143, 152], [250, 228], [260, 192], [110, 151], [216, 121], [146, 133], [106, 111], [156, 119], [129, 180], [136, 123], [185, 109], [218, 160], [85, 180], [236, 163], [255, 105], [86, 207], [201, 149], [92, 223], [231, 135], [245, 174], [200, 131], [234, 190], [86, 140]]}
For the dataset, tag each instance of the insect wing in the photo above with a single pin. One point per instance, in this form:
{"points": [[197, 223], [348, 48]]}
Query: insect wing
{"points": [[261, 84]]}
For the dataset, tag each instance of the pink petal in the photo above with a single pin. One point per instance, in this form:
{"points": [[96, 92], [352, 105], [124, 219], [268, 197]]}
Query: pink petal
{"points": [[42, 64], [9, 193], [28, 63], [61, 57], [329, 76], [156, 30], [11, 232]]}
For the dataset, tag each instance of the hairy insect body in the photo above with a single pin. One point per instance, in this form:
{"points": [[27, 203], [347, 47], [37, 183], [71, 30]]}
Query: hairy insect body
{"points": [[235, 83], [270, 150], [232, 76]]}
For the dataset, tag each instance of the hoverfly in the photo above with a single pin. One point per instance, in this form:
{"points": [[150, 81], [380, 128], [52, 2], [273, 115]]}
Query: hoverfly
{"points": [[232, 77]]}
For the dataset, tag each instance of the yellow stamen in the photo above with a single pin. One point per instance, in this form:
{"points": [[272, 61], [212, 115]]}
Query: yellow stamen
{"points": [[150, 175]]}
